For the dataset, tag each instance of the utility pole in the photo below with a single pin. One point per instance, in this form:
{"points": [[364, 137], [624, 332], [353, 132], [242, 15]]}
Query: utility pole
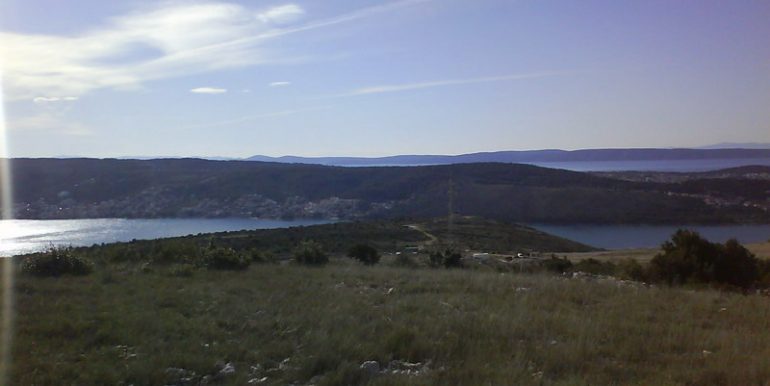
{"points": [[451, 202]]}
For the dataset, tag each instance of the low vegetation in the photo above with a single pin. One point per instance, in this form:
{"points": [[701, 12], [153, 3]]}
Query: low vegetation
{"points": [[688, 259], [336, 239], [289, 324], [481, 234], [224, 258], [198, 310], [364, 253], [54, 262], [310, 253], [446, 257]]}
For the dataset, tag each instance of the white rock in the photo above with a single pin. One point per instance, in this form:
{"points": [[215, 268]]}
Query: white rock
{"points": [[371, 367], [228, 369]]}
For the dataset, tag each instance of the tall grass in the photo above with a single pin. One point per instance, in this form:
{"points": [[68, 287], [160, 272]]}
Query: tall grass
{"points": [[294, 324]]}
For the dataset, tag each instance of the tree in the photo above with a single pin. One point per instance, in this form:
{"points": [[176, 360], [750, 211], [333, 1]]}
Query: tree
{"points": [[364, 253], [688, 258], [736, 266]]}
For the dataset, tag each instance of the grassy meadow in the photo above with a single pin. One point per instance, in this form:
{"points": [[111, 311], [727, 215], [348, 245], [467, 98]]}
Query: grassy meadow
{"points": [[644, 255], [284, 324]]}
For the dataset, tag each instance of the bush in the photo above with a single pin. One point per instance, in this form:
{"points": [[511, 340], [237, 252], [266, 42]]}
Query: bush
{"points": [[258, 256], [688, 258], [224, 258], [736, 266], [364, 253], [310, 253], [447, 258], [557, 264], [630, 269], [763, 272], [54, 262]]}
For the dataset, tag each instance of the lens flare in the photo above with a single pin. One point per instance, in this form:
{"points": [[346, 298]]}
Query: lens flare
{"points": [[6, 206]]}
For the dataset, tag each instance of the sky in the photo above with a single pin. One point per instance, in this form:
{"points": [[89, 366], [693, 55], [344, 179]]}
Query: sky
{"points": [[372, 78]]}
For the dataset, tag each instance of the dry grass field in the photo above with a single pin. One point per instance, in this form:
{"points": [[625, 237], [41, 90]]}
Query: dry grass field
{"points": [[278, 324], [643, 255]]}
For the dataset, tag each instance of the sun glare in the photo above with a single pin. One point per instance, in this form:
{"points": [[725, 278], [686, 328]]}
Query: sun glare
{"points": [[6, 329]]}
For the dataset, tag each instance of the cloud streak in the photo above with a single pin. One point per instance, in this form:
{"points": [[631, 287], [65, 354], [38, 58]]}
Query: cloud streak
{"points": [[208, 90], [43, 100], [159, 42], [445, 83]]}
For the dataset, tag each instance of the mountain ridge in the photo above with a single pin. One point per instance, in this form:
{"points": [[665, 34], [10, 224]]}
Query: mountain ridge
{"points": [[531, 156], [175, 188]]}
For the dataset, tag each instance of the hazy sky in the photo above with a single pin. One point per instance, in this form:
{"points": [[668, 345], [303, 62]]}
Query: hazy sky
{"points": [[368, 78]]}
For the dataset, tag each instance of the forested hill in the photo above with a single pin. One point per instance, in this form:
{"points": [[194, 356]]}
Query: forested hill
{"points": [[81, 188]]}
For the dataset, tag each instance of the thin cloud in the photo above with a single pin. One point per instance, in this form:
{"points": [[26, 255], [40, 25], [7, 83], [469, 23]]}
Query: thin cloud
{"points": [[208, 90], [279, 84], [42, 99], [348, 17], [282, 14], [165, 41], [444, 83]]}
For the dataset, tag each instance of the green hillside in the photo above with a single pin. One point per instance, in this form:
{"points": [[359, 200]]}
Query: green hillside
{"points": [[89, 188]]}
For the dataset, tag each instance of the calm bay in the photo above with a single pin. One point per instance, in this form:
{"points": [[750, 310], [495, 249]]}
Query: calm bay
{"points": [[26, 236]]}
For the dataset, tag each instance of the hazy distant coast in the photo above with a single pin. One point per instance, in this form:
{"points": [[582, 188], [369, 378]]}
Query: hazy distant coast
{"points": [[712, 156]]}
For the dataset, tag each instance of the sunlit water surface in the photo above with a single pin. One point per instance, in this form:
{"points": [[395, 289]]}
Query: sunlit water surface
{"points": [[26, 236]]}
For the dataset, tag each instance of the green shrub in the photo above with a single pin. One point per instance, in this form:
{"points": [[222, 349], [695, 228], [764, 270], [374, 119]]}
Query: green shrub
{"points": [[258, 256], [630, 269], [688, 258], [364, 253], [310, 253], [557, 264], [54, 262], [224, 258], [736, 266], [763, 272], [446, 257]]}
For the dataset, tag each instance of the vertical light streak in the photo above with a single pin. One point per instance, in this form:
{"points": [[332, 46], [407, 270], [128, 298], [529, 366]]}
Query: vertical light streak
{"points": [[6, 204]]}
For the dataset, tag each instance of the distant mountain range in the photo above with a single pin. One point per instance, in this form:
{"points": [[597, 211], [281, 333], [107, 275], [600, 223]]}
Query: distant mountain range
{"points": [[535, 157], [737, 145], [706, 158]]}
